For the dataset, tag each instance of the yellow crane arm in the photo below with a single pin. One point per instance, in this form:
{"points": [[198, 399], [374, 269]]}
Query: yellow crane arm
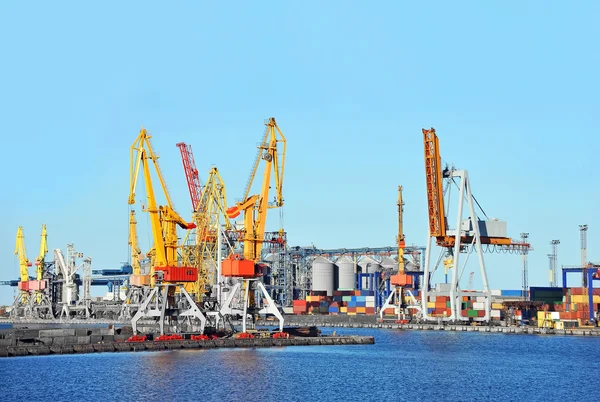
{"points": [[139, 157], [42, 256], [217, 185], [254, 224], [275, 163], [401, 241], [278, 161], [20, 250]]}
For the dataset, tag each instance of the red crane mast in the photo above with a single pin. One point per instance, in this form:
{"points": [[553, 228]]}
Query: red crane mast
{"points": [[191, 174]]}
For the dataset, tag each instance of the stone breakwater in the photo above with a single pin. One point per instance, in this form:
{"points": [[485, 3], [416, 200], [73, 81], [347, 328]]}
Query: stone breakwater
{"points": [[83, 344]]}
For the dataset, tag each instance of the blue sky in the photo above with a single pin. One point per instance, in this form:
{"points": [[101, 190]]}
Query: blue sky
{"points": [[511, 88]]}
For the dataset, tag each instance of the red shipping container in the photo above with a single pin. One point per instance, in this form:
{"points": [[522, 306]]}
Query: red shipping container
{"points": [[179, 274]]}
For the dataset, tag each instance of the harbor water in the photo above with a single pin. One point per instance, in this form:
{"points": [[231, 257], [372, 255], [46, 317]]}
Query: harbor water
{"points": [[402, 365]]}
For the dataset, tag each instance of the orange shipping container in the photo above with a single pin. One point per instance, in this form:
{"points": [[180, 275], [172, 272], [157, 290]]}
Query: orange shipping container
{"points": [[235, 265], [139, 280], [401, 280]]}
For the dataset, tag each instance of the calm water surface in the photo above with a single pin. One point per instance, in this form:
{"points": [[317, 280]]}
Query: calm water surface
{"points": [[411, 365]]}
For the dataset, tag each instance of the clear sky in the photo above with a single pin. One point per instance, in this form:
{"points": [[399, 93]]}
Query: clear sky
{"points": [[510, 86]]}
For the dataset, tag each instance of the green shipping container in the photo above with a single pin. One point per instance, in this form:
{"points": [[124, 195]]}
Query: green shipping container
{"points": [[472, 313]]}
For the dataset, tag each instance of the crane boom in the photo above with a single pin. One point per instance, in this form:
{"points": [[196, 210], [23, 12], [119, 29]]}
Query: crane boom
{"points": [[163, 219], [256, 162], [255, 207], [20, 250], [401, 241], [133, 243], [191, 174], [433, 174], [42, 255]]}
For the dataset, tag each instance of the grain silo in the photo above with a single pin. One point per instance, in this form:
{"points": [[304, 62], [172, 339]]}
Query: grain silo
{"points": [[345, 269], [369, 266], [322, 275]]}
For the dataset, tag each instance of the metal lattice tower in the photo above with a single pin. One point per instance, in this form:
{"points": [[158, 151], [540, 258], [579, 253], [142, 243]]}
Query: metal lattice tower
{"points": [[553, 260], [525, 278], [583, 236]]}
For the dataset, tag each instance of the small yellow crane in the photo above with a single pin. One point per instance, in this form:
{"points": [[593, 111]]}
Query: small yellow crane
{"points": [[133, 243], [24, 265], [39, 262]]}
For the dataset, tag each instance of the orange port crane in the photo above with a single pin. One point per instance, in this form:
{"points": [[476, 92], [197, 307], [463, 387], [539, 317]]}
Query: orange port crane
{"points": [[400, 280], [469, 234]]}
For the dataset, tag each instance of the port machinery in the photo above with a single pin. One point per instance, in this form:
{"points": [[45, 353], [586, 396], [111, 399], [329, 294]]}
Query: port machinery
{"points": [[168, 299], [401, 298], [470, 234], [254, 208], [33, 300], [54, 292]]}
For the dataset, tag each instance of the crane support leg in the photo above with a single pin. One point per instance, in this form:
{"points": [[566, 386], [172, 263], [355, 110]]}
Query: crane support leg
{"points": [[155, 306], [270, 308], [227, 309]]}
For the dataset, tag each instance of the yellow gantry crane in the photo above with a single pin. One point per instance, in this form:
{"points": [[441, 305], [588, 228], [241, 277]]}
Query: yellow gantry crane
{"points": [[203, 253], [24, 264], [255, 209], [167, 277], [39, 262], [164, 220], [255, 206]]}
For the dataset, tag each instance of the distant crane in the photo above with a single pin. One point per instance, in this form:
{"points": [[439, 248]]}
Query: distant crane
{"points": [[400, 280], [24, 265], [470, 285], [138, 283], [467, 236], [40, 284]]}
